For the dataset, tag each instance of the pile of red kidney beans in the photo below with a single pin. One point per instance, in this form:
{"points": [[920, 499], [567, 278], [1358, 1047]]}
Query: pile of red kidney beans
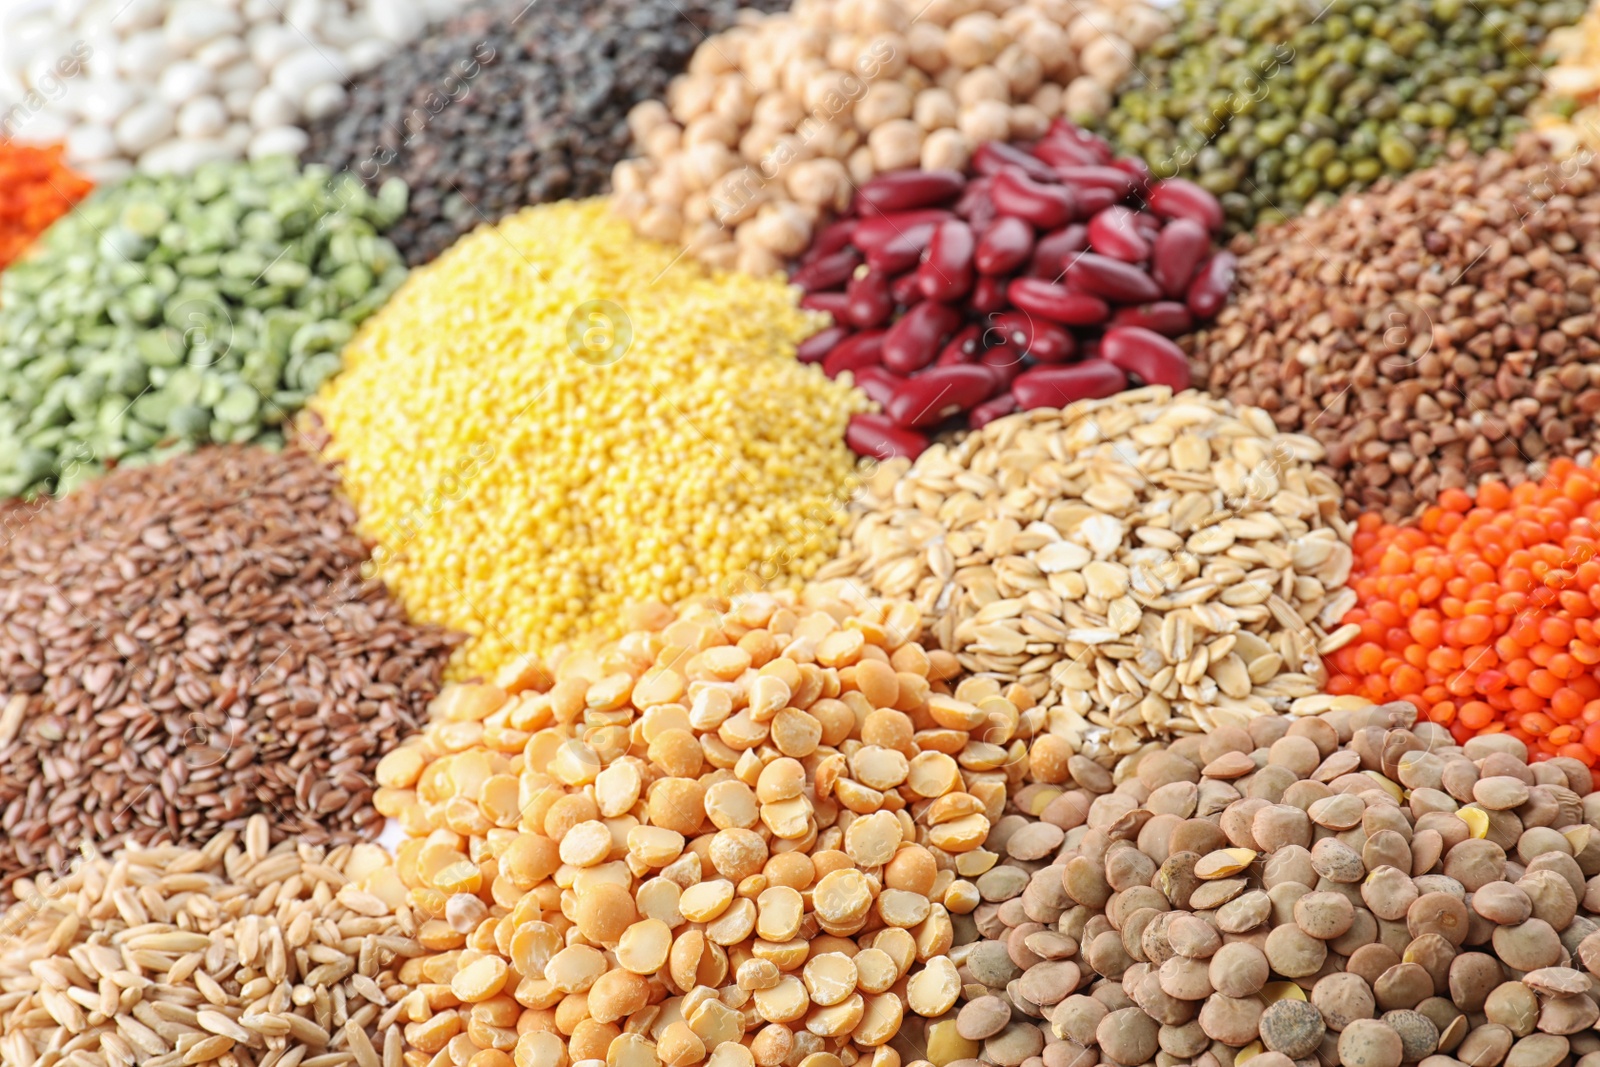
{"points": [[1048, 274]]}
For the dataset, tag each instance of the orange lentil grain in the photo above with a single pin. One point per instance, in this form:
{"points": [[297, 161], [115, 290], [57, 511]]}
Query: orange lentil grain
{"points": [[36, 188]]}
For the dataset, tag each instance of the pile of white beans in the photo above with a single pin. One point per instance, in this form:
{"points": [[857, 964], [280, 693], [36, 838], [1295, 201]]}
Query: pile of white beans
{"points": [[165, 85]]}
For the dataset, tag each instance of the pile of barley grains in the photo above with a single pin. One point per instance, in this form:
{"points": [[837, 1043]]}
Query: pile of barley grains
{"points": [[188, 644], [585, 419], [1144, 565], [231, 954], [1430, 331]]}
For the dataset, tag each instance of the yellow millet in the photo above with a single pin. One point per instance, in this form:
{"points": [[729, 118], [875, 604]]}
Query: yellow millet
{"points": [[525, 482]]}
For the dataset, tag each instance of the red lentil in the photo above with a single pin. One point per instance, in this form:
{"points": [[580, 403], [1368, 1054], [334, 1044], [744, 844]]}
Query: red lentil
{"points": [[1486, 613], [36, 188]]}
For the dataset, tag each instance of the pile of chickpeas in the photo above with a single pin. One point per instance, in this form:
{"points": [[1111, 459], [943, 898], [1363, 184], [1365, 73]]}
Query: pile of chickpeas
{"points": [[777, 120]]}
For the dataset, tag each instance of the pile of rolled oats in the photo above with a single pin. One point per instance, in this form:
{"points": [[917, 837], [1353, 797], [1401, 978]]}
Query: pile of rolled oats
{"points": [[1145, 565]]}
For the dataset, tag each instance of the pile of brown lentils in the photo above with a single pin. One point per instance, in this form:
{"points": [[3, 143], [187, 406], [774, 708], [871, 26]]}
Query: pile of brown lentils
{"points": [[1346, 889]]}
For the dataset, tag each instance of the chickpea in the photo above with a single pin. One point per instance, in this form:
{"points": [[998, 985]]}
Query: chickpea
{"points": [[711, 128], [812, 14], [822, 183], [721, 59], [757, 261], [935, 109], [987, 120], [841, 52], [724, 256], [834, 141], [661, 223], [631, 205], [982, 83], [666, 187], [1022, 70], [1028, 123], [975, 39], [777, 110], [690, 94], [758, 142], [896, 144], [946, 149], [1047, 99], [1085, 99], [882, 103], [703, 164], [734, 103], [884, 16], [1140, 25], [944, 12], [860, 165], [1108, 61], [884, 57], [782, 227], [646, 116], [1085, 26], [1047, 42], [737, 195], [629, 176], [925, 46], [663, 141], [830, 91], [798, 75]]}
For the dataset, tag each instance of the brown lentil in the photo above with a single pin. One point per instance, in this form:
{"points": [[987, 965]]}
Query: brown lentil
{"points": [[186, 644], [1430, 331]]}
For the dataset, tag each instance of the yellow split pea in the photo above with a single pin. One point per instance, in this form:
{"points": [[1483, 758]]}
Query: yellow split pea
{"points": [[557, 418]]}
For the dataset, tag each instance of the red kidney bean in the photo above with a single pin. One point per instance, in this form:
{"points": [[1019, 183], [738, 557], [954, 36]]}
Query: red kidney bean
{"points": [[879, 437], [1112, 279], [1039, 338], [833, 237], [994, 156], [1046, 206], [1082, 179], [901, 253], [935, 395], [1056, 249], [870, 303], [1169, 318], [1094, 201], [819, 344], [1182, 244], [1176, 198], [914, 341], [833, 303], [1097, 147], [903, 190], [873, 232], [1113, 232], [1138, 170], [865, 349], [1056, 387], [990, 410], [905, 290], [1155, 359], [976, 194], [962, 347], [1209, 290], [989, 294], [829, 272], [1058, 303], [1061, 153], [1004, 362], [1004, 246], [946, 275], [878, 383]]}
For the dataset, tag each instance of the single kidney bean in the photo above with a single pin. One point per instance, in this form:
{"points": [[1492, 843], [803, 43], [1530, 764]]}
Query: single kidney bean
{"points": [[878, 383], [1004, 246], [819, 344], [1058, 303], [1094, 201], [989, 294], [1182, 244], [873, 232], [1138, 170], [1060, 153], [1056, 387], [833, 237], [1097, 147], [1112, 279], [1004, 362], [1039, 338], [935, 395], [946, 275], [1155, 359], [833, 303], [914, 341], [994, 156], [905, 290], [870, 303], [879, 437], [865, 349], [990, 410], [1046, 206], [1209, 290], [1055, 250], [1177, 198], [899, 254], [1169, 318], [829, 272], [1113, 232], [962, 347], [977, 194], [1082, 179], [904, 190]]}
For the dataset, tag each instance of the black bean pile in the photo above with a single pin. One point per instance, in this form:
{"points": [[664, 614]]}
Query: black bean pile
{"points": [[511, 104], [185, 645]]}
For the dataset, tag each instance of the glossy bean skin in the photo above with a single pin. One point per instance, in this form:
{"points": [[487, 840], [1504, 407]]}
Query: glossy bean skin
{"points": [[1062, 131], [865, 349], [1113, 232], [914, 341], [1062, 154], [1056, 249], [1084, 178], [902, 252], [988, 294], [873, 232], [1178, 252], [1139, 171], [1157, 360], [832, 238], [1058, 303], [829, 272], [990, 410], [870, 304], [992, 157], [1043, 340], [1004, 362], [1004, 246], [833, 303], [946, 275], [906, 289], [1169, 318], [963, 347], [907, 190], [1178, 198], [879, 437], [878, 383], [1211, 285], [1112, 279], [814, 348], [935, 395], [1045, 206], [1056, 387]]}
